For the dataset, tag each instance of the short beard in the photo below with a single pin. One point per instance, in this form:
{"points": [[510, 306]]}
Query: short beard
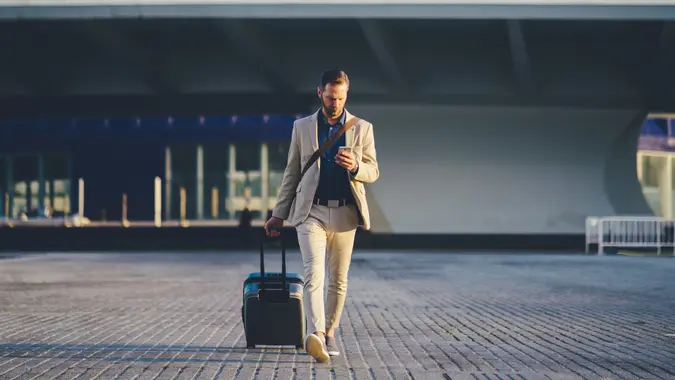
{"points": [[329, 114]]}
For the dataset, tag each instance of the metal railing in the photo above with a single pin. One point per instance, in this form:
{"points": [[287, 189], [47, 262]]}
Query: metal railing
{"points": [[625, 232]]}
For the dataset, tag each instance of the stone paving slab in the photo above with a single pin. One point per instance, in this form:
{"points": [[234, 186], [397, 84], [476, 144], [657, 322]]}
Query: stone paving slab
{"points": [[410, 315]]}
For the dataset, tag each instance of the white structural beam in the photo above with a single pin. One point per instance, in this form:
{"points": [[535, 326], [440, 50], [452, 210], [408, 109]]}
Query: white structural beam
{"points": [[372, 30], [520, 57], [114, 42], [339, 9], [249, 43]]}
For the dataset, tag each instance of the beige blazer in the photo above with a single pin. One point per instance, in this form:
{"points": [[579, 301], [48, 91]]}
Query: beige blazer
{"points": [[296, 196]]}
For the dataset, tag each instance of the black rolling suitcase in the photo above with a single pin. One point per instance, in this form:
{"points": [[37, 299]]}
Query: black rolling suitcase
{"points": [[272, 309]]}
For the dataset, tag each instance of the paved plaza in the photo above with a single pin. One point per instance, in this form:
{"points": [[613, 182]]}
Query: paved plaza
{"points": [[410, 315]]}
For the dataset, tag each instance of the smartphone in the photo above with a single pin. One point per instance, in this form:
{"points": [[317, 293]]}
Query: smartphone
{"points": [[344, 148]]}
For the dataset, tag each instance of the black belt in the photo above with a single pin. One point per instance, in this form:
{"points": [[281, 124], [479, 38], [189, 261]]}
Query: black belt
{"points": [[333, 202]]}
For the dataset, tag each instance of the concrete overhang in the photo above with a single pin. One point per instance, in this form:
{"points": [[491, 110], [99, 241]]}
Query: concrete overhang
{"points": [[392, 9], [76, 54]]}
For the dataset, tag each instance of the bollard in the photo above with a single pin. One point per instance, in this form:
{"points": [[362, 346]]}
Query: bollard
{"points": [[80, 203], [158, 202], [183, 207], [214, 202], [125, 221]]}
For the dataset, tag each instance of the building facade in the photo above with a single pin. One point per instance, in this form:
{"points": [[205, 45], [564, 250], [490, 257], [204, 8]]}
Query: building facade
{"points": [[209, 167]]}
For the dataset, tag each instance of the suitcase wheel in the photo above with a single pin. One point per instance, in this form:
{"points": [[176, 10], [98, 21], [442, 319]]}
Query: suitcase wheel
{"points": [[250, 345]]}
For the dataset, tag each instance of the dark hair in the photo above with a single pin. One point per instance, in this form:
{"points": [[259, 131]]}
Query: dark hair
{"points": [[334, 76]]}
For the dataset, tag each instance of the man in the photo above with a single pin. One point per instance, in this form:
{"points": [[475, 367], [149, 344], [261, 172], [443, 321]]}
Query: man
{"points": [[326, 206]]}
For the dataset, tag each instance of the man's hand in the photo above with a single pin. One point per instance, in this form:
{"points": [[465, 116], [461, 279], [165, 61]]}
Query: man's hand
{"points": [[272, 225], [346, 159]]}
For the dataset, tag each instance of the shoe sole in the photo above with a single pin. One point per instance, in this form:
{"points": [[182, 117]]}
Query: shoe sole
{"points": [[315, 349], [332, 353]]}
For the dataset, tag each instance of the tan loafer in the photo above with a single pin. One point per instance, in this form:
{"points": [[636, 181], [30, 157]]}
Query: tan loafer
{"points": [[316, 348]]}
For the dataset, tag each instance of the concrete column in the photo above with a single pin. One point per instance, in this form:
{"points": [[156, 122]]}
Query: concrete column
{"points": [[666, 187], [232, 168], [41, 185], [167, 182], [264, 179], [200, 182]]}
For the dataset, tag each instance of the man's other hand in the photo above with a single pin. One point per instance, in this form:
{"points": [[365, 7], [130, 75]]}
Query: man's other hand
{"points": [[272, 226]]}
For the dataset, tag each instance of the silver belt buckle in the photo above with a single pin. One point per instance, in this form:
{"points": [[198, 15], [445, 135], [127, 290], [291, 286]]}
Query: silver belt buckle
{"points": [[333, 203]]}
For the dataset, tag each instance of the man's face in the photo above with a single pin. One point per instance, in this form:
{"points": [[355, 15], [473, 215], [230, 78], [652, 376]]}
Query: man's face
{"points": [[333, 99]]}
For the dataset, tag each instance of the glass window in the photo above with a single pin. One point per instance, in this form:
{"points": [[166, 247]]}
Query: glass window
{"points": [[34, 192], [26, 185], [652, 167], [20, 204], [24, 170], [246, 181], [60, 191], [183, 178], [216, 164], [57, 183]]}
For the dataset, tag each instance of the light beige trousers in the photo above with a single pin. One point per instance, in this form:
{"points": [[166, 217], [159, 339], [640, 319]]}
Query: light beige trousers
{"points": [[326, 237]]}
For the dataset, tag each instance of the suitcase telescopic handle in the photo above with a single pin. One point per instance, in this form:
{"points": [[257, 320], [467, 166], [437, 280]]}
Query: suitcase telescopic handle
{"points": [[262, 261]]}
